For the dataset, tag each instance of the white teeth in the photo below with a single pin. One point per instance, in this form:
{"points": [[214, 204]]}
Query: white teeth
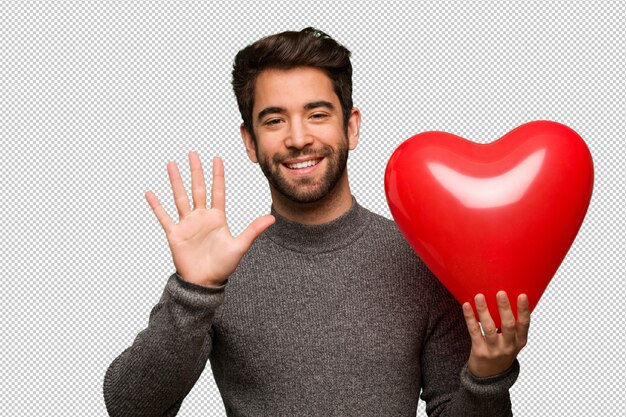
{"points": [[304, 164]]}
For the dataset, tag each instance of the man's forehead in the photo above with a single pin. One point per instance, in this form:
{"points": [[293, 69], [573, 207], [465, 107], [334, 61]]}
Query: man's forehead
{"points": [[299, 88]]}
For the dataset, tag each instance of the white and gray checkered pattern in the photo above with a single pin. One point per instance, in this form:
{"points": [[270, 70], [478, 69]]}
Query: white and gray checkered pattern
{"points": [[98, 96]]}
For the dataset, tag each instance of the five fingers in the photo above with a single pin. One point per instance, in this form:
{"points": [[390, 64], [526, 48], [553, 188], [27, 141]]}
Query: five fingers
{"points": [[198, 190]]}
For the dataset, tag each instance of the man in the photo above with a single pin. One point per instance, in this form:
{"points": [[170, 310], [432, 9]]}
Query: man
{"points": [[320, 308]]}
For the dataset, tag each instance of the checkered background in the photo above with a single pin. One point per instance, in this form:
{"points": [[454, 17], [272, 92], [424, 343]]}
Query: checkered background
{"points": [[98, 96]]}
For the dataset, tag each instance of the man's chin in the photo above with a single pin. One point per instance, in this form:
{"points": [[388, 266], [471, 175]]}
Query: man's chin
{"points": [[305, 190], [304, 198]]}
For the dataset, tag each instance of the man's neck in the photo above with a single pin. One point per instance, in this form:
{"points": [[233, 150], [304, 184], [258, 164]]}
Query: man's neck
{"points": [[332, 206]]}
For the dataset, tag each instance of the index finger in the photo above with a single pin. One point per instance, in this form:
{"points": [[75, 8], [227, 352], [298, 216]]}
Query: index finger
{"points": [[523, 319], [218, 188]]}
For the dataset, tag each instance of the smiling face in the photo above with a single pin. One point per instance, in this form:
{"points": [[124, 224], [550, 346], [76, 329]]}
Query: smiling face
{"points": [[300, 141]]}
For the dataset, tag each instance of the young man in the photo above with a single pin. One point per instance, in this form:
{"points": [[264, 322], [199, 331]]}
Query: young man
{"points": [[320, 308]]}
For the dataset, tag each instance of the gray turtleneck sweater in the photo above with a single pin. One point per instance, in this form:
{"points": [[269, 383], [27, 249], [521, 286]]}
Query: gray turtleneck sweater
{"points": [[339, 319]]}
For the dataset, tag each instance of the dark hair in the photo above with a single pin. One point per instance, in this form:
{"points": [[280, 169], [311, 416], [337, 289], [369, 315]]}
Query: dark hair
{"points": [[308, 48]]}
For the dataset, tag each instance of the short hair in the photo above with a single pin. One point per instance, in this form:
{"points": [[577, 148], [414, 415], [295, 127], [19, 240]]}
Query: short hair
{"points": [[309, 47]]}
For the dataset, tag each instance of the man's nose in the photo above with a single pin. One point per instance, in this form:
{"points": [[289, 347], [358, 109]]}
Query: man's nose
{"points": [[298, 136]]}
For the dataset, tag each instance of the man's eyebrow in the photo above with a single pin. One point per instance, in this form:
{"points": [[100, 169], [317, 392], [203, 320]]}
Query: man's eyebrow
{"points": [[320, 103], [270, 110], [308, 106]]}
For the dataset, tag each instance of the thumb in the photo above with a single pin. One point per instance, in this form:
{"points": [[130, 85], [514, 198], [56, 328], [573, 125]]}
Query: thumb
{"points": [[255, 228]]}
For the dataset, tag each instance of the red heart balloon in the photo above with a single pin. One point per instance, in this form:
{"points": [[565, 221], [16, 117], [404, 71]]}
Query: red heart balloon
{"points": [[496, 216]]}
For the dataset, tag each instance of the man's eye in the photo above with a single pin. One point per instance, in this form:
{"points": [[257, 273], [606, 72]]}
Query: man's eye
{"points": [[319, 116], [271, 122]]}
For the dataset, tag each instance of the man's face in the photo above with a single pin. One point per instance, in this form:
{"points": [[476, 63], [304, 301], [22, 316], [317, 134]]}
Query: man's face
{"points": [[301, 144]]}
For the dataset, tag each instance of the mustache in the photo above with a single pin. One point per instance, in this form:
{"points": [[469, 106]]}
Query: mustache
{"points": [[318, 153]]}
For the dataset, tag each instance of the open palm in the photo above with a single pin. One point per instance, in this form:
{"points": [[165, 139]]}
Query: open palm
{"points": [[203, 249]]}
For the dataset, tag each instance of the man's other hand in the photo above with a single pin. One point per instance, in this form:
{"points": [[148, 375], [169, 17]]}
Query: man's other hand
{"points": [[494, 351]]}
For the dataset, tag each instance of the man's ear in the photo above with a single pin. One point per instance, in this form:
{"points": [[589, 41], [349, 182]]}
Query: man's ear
{"points": [[248, 143], [354, 126]]}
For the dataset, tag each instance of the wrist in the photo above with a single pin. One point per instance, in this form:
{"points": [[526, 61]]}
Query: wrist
{"points": [[206, 283], [490, 386], [485, 369]]}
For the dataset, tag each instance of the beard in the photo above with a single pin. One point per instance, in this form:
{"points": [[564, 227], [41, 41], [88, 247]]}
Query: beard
{"points": [[306, 190]]}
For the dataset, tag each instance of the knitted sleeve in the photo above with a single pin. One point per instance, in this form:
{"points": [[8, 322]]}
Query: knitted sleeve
{"points": [[448, 388], [153, 376]]}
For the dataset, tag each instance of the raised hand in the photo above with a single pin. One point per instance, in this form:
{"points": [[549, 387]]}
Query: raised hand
{"points": [[494, 352], [203, 249]]}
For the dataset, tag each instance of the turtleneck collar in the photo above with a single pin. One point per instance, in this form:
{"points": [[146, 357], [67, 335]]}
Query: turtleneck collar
{"points": [[319, 238]]}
